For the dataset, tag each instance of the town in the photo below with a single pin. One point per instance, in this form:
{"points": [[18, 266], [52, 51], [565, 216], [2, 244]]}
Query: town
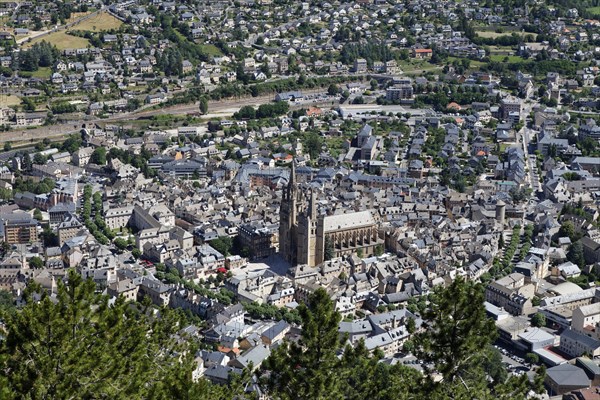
{"points": [[233, 161]]}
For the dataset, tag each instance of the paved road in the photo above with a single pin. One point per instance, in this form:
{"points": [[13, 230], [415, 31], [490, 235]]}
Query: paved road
{"points": [[533, 174], [523, 136], [33, 35]]}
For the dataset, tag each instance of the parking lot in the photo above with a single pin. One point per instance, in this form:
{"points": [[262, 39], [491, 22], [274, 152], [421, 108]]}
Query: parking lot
{"points": [[514, 364]]}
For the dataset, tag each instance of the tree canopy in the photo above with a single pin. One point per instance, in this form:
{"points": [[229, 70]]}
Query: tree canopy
{"points": [[82, 347], [309, 369], [456, 344]]}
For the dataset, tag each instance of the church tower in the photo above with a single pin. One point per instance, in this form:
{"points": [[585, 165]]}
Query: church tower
{"points": [[288, 219], [307, 233]]}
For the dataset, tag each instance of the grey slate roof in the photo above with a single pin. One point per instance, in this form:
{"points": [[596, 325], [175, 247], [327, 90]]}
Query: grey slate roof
{"points": [[568, 375]]}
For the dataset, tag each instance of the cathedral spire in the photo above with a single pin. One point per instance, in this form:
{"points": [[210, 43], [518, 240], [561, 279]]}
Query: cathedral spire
{"points": [[293, 173], [313, 205], [290, 190]]}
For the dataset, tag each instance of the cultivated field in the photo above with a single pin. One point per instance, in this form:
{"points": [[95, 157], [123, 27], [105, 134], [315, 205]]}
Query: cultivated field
{"points": [[61, 40], [7, 100], [211, 50], [76, 15], [100, 22], [507, 58], [42, 73], [413, 66]]}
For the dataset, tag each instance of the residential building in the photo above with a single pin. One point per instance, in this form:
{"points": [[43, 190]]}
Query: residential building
{"points": [[512, 293]]}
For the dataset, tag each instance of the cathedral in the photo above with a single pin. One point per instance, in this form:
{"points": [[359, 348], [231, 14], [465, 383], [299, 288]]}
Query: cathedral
{"points": [[307, 237]]}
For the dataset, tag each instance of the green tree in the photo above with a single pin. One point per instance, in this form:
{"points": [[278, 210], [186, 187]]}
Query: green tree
{"points": [[7, 307], [120, 243], [27, 104], [98, 156], [538, 320], [223, 244], [532, 358], [36, 262], [329, 250], [37, 214], [492, 364], [408, 346], [72, 144], [7, 146], [457, 342], [576, 254], [367, 378], [80, 347], [203, 105], [333, 89], [457, 328], [313, 143], [567, 229], [308, 369], [26, 161], [6, 194], [246, 112], [411, 325], [39, 159], [48, 236], [136, 253]]}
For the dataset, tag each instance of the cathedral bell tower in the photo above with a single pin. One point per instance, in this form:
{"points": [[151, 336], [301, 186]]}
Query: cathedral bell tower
{"points": [[288, 219], [307, 233]]}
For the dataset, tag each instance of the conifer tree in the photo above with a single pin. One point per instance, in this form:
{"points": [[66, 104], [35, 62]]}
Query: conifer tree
{"points": [[310, 368], [367, 378], [80, 346], [456, 344]]}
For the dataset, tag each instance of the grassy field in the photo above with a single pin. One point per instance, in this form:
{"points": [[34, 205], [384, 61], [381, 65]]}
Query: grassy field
{"points": [[505, 50], [473, 63], [594, 10], [7, 100], [76, 15], [503, 147], [211, 50], [511, 59], [61, 40], [100, 22], [42, 73], [417, 66], [335, 145]]}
